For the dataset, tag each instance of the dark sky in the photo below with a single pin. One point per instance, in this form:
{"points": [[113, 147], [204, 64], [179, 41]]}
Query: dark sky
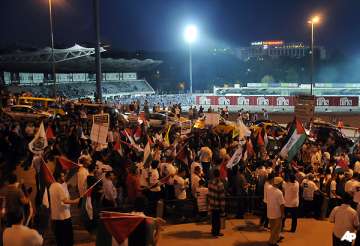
{"points": [[158, 24]]}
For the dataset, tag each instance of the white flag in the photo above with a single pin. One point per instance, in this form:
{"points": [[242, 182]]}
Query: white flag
{"points": [[236, 157], [243, 130], [39, 143]]}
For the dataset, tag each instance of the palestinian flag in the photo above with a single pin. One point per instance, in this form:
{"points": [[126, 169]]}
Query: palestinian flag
{"points": [[138, 133], [50, 133], [147, 154], [121, 226], [260, 139], [66, 164], [46, 175], [296, 138]]}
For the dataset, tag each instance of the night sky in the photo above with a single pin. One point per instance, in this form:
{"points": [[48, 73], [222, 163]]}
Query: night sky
{"points": [[158, 24]]}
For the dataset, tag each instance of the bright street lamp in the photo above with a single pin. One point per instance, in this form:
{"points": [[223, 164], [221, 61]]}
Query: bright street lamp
{"points": [[314, 20], [190, 35]]}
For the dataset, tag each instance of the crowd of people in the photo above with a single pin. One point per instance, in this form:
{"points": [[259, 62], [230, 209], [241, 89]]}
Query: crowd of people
{"points": [[144, 169]]}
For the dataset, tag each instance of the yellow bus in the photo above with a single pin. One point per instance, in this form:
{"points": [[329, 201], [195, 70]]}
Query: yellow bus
{"points": [[47, 104]]}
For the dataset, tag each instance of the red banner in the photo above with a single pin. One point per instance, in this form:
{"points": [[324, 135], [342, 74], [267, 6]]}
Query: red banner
{"points": [[279, 101]]}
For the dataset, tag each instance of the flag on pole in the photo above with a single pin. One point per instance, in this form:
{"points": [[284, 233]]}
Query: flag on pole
{"points": [[39, 143], [50, 133], [147, 153], [46, 175], [118, 147], [121, 226], [243, 130], [138, 133], [260, 139], [126, 133], [67, 164], [235, 158], [296, 138]]}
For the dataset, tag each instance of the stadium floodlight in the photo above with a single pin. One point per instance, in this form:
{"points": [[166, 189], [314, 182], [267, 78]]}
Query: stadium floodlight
{"points": [[190, 36], [313, 21]]}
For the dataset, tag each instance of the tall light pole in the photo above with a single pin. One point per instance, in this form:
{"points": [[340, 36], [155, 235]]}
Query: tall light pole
{"points": [[313, 21], [190, 36], [52, 48], [97, 51]]}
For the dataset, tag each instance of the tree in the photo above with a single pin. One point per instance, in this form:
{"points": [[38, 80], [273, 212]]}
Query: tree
{"points": [[267, 79]]}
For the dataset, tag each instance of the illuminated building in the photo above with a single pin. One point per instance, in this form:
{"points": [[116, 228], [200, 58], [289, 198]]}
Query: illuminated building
{"points": [[277, 48]]}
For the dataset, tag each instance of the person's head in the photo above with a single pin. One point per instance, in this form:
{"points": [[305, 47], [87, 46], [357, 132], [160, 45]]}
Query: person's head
{"points": [[109, 175], [347, 198], [91, 168], [59, 177], [277, 182], [292, 178], [270, 177], [16, 216], [154, 164], [216, 173], [311, 176], [12, 178]]}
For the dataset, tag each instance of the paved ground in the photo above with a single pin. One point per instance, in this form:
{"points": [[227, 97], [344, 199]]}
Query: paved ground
{"points": [[246, 233]]}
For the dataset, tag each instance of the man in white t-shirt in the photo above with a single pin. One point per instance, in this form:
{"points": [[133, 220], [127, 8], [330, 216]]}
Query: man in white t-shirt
{"points": [[345, 219], [195, 180], [180, 185], [351, 179], [291, 197], [60, 211], [82, 176], [275, 210], [309, 188]]}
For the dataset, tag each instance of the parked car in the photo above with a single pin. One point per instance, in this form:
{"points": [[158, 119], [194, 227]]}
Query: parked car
{"points": [[26, 113]]}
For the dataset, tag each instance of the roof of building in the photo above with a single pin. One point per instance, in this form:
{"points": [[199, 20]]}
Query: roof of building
{"points": [[73, 59]]}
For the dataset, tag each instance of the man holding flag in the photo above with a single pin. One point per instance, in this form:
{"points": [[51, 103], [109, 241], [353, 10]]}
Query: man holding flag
{"points": [[60, 211]]}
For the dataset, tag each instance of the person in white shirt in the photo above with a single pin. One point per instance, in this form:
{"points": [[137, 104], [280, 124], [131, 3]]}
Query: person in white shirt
{"points": [[110, 193], [60, 211], [154, 187], [195, 179], [201, 198], [180, 185], [168, 169], [345, 219], [275, 210], [351, 178], [309, 188], [291, 197], [264, 221], [143, 175], [205, 159], [20, 235], [82, 176]]}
